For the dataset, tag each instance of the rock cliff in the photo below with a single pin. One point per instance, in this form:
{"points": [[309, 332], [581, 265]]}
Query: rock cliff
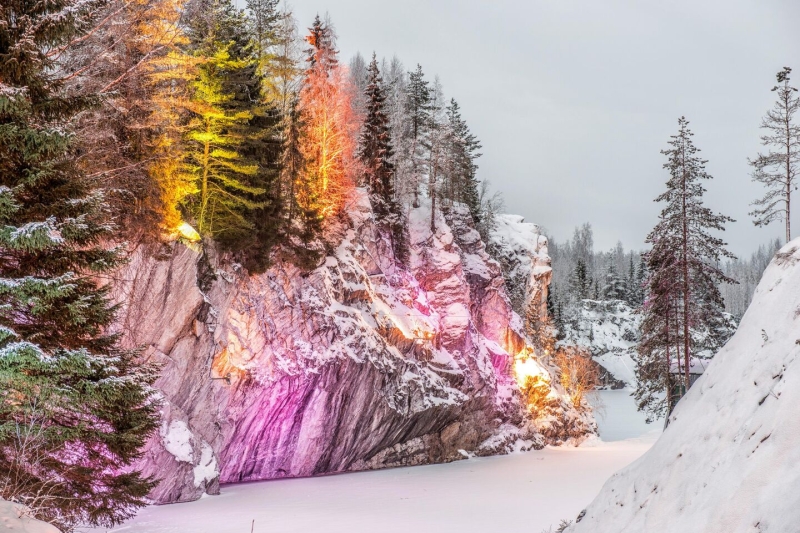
{"points": [[362, 363]]}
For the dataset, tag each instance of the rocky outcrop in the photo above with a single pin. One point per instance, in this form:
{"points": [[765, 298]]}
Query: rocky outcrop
{"points": [[361, 363]]}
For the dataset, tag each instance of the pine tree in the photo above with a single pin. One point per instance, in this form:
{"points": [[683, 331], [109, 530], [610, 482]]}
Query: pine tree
{"points": [[641, 280], [462, 151], [419, 101], [660, 337], [614, 285], [630, 283], [580, 285], [777, 169], [75, 410], [165, 103], [375, 149], [436, 145], [225, 137], [265, 20], [683, 293], [375, 152]]}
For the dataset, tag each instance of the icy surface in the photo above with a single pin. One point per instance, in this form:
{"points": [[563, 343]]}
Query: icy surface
{"points": [[527, 491], [617, 416], [13, 519], [729, 460]]}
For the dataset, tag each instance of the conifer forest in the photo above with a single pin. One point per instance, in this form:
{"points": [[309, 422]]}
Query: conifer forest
{"points": [[241, 251]]}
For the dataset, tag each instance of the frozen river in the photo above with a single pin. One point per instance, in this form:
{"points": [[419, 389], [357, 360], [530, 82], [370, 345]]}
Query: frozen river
{"points": [[529, 491]]}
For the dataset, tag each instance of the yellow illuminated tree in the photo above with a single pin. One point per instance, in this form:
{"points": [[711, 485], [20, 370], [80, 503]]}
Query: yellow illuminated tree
{"points": [[169, 72], [222, 174]]}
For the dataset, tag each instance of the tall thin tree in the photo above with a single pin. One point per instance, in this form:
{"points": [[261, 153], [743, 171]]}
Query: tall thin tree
{"points": [[777, 168], [684, 276]]}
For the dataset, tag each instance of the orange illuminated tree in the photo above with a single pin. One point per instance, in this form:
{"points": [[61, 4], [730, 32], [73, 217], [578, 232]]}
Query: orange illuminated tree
{"points": [[169, 71], [330, 124]]}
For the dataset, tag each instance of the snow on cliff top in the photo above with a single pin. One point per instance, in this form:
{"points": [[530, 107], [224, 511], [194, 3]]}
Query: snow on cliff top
{"points": [[729, 460], [12, 519]]}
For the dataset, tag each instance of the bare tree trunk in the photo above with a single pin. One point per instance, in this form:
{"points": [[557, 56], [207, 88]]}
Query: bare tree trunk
{"points": [[685, 276], [788, 170]]}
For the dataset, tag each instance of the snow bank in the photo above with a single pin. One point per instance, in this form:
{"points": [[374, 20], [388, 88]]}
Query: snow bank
{"points": [[729, 460], [13, 519]]}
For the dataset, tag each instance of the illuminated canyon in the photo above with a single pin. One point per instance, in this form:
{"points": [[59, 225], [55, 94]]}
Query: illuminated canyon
{"points": [[361, 363]]}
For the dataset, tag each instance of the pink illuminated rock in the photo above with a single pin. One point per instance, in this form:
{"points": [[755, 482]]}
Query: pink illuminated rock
{"points": [[362, 363]]}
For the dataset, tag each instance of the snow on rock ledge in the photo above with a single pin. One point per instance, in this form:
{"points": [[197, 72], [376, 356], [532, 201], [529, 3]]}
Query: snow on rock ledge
{"points": [[729, 460], [522, 251], [362, 363]]}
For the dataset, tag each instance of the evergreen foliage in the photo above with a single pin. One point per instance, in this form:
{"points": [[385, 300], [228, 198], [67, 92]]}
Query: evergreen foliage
{"points": [[777, 169], [614, 286], [580, 284], [375, 152], [75, 410], [461, 183], [683, 294], [223, 105]]}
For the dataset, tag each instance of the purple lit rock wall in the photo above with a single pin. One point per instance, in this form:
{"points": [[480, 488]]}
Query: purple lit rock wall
{"points": [[359, 364]]}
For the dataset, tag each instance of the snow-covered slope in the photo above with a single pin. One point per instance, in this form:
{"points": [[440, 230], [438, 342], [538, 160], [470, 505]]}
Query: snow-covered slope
{"points": [[729, 460], [363, 363], [13, 519]]}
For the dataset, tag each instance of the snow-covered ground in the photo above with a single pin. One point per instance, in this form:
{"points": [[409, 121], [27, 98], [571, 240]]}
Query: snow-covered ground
{"points": [[529, 491], [14, 519], [617, 417], [729, 460]]}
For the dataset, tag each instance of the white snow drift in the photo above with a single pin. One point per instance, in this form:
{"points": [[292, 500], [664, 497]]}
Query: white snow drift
{"points": [[14, 518], [729, 460]]}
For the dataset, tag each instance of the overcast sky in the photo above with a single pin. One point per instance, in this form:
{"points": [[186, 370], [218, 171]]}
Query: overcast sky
{"points": [[574, 100]]}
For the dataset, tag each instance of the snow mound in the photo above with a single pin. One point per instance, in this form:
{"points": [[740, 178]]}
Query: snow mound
{"points": [[729, 460], [13, 518]]}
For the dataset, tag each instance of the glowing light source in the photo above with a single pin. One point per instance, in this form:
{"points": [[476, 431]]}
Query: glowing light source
{"points": [[188, 232], [526, 367]]}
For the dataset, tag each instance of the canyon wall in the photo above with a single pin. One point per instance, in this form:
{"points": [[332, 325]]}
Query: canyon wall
{"points": [[364, 362]]}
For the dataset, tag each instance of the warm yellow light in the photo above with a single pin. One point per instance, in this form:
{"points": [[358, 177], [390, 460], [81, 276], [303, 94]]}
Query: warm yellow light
{"points": [[526, 368], [188, 232]]}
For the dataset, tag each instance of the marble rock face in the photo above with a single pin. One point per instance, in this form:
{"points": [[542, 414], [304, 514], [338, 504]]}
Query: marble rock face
{"points": [[364, 362]]}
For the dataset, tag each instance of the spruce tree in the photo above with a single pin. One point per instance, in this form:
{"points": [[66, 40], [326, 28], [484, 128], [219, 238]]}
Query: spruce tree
{"points": [[777, 169], [630, 283], [419, 101], [375, 152], [580, 285], [224, 107], [462, 151], [614, 285], [375, 148], [75, 410], [683, 282]]}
